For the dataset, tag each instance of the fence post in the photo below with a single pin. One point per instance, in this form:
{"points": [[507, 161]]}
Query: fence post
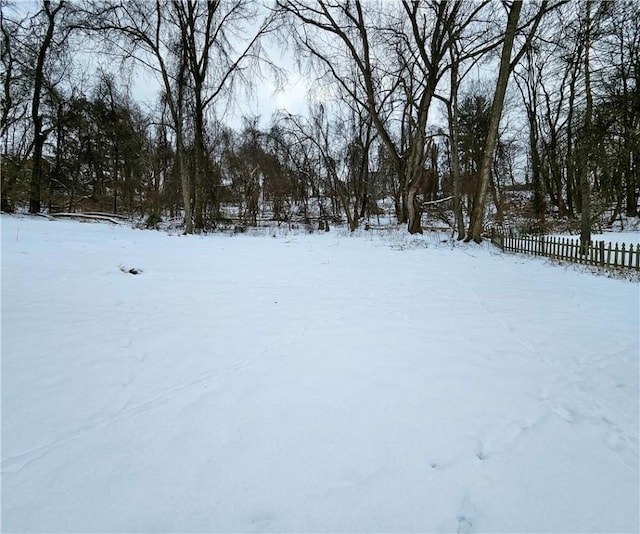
{"points": [[601, 247], [579, 256], [637, 256], [585, 257]]}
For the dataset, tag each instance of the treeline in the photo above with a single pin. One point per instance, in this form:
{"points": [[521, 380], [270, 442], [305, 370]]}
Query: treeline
{"points": [[421, 101]]}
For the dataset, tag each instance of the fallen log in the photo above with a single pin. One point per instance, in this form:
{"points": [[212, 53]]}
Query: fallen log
{"points": [[89, 216]]}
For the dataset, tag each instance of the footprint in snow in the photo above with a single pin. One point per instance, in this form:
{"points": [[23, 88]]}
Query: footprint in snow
{"points": [[262, 523], [464, 524], [563, 413], [544, 393], [465, 517], [614, 442]]}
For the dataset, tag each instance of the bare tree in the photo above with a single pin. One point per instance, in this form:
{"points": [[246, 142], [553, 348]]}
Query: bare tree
{"points": [[507, 64], [321, 134], [49, 21], [529, 83], [191, 46], [207, 31], [621, 94], [8, 29], [469, 45], [587, 137], [399, 55], [452, 112]]}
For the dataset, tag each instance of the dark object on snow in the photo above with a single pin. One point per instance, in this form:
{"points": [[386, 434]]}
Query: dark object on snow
{"points": [[133, 270]]}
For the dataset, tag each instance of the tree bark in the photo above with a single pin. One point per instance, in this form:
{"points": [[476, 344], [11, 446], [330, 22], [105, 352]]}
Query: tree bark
{"points": [[585, 186], [413, 205], [38, 80], [477, 213]]}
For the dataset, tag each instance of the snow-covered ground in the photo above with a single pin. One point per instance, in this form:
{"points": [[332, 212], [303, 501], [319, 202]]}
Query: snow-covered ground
{"points": [[617, 237], [310, 383], [628, 238]]}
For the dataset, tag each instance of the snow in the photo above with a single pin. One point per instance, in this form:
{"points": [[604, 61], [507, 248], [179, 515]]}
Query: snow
{"points": [[627, 238], [617, 237], [310, 382]]}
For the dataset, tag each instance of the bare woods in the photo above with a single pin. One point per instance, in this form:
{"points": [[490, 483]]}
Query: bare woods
{"points": [[505, 111]]}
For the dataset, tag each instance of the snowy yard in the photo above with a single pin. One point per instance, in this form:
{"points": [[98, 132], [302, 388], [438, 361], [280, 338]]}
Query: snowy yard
{"points": [[310, 383]]}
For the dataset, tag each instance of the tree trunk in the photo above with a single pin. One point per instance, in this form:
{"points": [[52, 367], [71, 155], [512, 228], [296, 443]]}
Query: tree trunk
{"points": [[536, 178], [631, 208], [477, 213], [185, 183], [416, 185], [36, 168], [573, 199], [455, 155], [200, 159], [585, 186], [415, 166], [38, 135], [497, 197]]}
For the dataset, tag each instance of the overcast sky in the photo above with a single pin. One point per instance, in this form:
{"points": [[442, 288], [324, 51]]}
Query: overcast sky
{"points": [[265, 99]]}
